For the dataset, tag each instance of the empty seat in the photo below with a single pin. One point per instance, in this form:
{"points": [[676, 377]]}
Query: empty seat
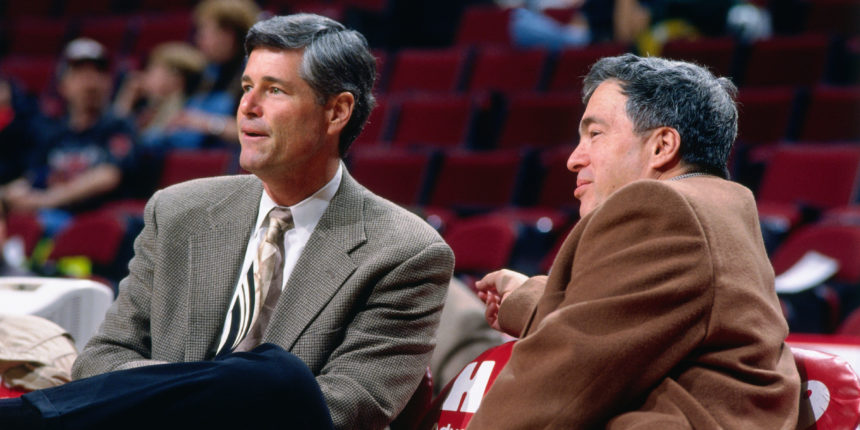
{"points": [[506, 69], [573, 64], [838, 16], [763, 114], [436, 70], [558, 183], [396, 175], [840, 242], [716, 54], [833, 114], [816, 176], [37, 35], [476, 180], [29, 8], [484, 25], [110, 31], [33, 73], [482, 243], [376, 128], [541, 120], [96, 235], [185, 164], [156, 29], [86, 7], [786, 60], [435, 120], [25, 226]]}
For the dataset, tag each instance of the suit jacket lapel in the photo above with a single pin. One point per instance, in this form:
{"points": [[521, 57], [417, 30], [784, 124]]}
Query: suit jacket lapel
{"points": [[217, 251], [323, 267]]}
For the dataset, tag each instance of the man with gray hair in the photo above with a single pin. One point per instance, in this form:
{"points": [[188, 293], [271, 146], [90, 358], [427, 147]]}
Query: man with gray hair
{"points": [[660, 309], [277, 299]]}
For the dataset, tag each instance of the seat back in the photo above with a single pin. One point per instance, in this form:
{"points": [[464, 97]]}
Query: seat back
{"points": [[410, 416], [830, 391]]}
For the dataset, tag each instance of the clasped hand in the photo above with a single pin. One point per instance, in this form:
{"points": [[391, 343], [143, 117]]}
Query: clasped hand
{"points": [[494, 288]]}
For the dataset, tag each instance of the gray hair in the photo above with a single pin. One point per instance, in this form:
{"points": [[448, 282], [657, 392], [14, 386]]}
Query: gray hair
{"points": [[334, 60], [681, 95]]}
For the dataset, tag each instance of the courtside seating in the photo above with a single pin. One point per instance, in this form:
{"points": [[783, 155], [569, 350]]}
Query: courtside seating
{"points": [[376, 128], [829, 179], [96, 235], [840, 242], [776, 61], [506, 69], [829, 398], [25, 226], [833, 115], [428, 70], [476, 180], [715, 53]]}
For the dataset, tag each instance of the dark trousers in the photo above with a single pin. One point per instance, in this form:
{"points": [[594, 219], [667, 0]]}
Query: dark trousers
{"points": [[260, 389]]}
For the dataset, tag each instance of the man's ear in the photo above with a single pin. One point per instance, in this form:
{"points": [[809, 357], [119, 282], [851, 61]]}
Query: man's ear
{"points": [[666, 148], [339, 111]]}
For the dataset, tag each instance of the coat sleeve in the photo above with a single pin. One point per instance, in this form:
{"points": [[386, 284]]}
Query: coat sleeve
{"points": [[386, 348], [635, 302], [123, 341]]}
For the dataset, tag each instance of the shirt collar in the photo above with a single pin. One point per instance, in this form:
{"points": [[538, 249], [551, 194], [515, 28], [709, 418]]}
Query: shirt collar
{"points": [[307, 212]]}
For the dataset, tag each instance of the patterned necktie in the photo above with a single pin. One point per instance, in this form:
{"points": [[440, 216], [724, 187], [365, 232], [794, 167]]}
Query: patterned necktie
{"points": [[261, 288]]}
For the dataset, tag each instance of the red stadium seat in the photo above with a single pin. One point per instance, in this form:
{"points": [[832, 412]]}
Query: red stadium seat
{"points": [[818, 176], [484, 25], [183, 164], [482, 180], [156, 29], [840, 242], [774, 61], [33, 73], [837, 16], [37, 35], [96, 235], [396, 175], [25, 226], [437, 70], [830, 391], [558, 183], [573, 65], [376, 128], [482, 243], [29, 8], [434, 120], [763, 114], [86, 7], [717, 54], [833, 115], [541, 120], [110, 31], [506, 69]]}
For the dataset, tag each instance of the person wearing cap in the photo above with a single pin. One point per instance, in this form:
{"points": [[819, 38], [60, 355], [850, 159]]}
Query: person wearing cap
{"points": [[80, 157]]}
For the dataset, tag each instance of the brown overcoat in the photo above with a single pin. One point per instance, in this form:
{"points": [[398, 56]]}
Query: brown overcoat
{"points": [[659, 313]]}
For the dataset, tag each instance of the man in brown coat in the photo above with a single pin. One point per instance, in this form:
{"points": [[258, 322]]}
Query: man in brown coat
{"points": [[659, 311]]}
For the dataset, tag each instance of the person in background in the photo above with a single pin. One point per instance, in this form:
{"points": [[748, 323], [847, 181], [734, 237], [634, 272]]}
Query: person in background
{"points": [[7, 269], [81, 158], [154, 97], [207, 119], [660, 309]]}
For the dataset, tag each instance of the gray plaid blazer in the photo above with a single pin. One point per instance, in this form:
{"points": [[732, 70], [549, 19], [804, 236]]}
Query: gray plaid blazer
{"points": [[360, 308]]}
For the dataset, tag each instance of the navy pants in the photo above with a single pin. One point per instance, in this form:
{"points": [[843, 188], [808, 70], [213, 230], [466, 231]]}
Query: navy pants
{"points": [[260, 389]]}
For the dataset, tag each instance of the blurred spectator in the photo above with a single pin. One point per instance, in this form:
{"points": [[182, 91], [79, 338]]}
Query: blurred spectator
{"points": [[157, 95], [210, 111], [81, 157], [16, 143], [7, 269]]}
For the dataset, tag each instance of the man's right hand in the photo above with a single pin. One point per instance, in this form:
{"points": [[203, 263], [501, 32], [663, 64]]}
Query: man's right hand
{"points": [[494, 288]]}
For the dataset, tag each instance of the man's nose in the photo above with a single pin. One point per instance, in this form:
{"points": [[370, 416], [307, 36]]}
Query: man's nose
{"points": [[578, 158], [249, 105]]}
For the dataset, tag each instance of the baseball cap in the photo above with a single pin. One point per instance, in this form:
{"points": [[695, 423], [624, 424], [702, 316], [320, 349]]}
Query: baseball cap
{"points": [[85, 50]]}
